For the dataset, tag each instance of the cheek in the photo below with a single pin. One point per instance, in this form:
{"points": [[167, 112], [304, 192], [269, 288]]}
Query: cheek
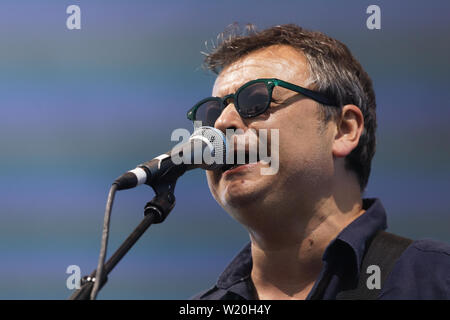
{"points": [[305, 149], [296, 141]]}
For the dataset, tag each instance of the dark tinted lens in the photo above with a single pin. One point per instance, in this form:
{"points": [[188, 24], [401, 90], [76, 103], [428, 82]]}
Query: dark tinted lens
{"points": [[253, 99], [208, 113]]}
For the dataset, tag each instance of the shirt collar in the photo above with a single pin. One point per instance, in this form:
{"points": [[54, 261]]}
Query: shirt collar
{"points": [[238, 270], [352, 239]]}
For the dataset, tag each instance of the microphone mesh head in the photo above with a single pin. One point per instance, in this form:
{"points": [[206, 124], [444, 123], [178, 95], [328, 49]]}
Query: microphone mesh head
{"points": [[216, 142]]}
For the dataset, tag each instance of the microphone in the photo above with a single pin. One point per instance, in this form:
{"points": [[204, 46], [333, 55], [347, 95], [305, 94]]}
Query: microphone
{"points": [[206, 149]]}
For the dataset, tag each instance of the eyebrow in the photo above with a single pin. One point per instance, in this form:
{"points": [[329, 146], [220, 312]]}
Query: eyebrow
{"points": [[233, 87]]}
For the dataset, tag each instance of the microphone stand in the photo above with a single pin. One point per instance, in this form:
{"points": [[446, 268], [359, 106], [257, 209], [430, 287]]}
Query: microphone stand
{"points": [[155, 211]]}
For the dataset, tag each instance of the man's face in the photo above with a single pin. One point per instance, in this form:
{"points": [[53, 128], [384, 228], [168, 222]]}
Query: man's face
{"points": [[305, 156]]}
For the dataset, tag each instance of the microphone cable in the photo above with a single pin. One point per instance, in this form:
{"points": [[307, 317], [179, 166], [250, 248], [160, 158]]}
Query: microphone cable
{"points": [[104, 242]]}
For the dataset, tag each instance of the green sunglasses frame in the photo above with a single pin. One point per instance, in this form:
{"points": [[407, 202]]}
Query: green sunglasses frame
{"points": [[270, 84]]}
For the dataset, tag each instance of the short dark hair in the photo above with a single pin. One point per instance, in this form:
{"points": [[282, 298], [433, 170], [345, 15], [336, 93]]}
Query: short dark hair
{"points": [[333, 69]]}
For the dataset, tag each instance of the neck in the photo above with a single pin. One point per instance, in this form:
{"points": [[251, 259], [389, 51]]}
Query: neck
{"points": [[287, 253]]}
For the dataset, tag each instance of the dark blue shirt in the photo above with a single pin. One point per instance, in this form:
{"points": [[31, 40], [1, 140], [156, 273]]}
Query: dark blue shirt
{"points": [[421, 272]]}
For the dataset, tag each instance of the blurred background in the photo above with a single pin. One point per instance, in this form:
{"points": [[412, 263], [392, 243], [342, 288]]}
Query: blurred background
{"points": [[80, 107]]}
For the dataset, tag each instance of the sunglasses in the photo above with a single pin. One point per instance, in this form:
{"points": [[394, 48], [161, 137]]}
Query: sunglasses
{"points": [[250, 100]]}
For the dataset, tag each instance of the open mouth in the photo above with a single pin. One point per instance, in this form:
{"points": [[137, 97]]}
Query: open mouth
{"points": [[235, 164]]}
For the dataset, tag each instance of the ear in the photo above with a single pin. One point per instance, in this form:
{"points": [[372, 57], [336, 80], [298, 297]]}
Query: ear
{"points": [[349, 129]]}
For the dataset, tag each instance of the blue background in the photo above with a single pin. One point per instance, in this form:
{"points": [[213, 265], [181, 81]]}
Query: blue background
{"points": [[78, 108]]}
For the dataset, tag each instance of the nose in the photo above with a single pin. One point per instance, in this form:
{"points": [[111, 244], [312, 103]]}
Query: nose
{"points": [[229, 119]]}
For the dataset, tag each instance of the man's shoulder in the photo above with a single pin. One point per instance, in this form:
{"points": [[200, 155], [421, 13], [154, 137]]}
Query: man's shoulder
{"points": [[432, 246], [427, 254], [421, 272]]}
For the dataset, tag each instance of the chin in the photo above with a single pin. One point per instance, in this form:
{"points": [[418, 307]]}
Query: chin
{"points": [[240, 191], [241, 194]]}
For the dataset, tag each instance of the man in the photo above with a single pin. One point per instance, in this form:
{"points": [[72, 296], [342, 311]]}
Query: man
{"points": [[309, 227]]}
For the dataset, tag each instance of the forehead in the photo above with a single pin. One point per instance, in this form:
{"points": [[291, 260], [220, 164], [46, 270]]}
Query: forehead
{"points": [[280, 61]]}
